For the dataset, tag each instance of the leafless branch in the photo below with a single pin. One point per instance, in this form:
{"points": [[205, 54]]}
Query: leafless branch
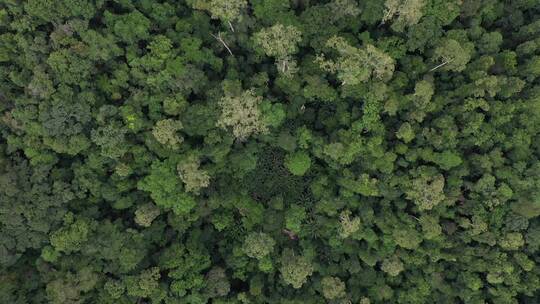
{"points": [[218, 38], [441, 65]]}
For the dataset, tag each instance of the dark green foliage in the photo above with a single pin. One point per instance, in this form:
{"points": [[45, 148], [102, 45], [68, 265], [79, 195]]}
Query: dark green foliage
{"points": [[269, 151]]}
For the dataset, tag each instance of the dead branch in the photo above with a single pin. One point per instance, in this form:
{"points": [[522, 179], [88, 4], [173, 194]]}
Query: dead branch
{"points": [[218, 38], [441, 65]]}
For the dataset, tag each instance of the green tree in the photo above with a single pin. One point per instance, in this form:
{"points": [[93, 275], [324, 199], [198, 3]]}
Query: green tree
{"points": [[451, 55], [512, 241], [258, 245], [165, 187], [405, 132], [243, 114], [294, 218], [165, 132], [298, 163], [71, 237], [354, 65], [295, 269], [184, 265], [392, 266], [145, 284], [281, 42], [407, 238], [348, 225], [192, 176], [145, 214], [333, 288], [427, 191], [408, 12], [217, 284], [226, 11]]}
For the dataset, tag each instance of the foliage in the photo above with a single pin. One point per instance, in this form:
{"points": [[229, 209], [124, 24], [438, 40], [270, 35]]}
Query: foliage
{"points": [[295, 269], [243, 114], [269, 151], [165, 133], [193, 177], [258, 245], [355, 65], [332, 288], [298, 163]]}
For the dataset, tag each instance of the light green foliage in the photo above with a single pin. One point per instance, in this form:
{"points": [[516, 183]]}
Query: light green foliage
{"points": [[363, 185], [165, 188], [295, 269], [423, 91], [165, 132], [114, 288], [451, 53], [405, 12], [71, 237], [333, 288], [407, 238], [123, 170], [294, 218], [145, 214], [512, 241], [447, 160], [144, 284], [174, 105], [354, 65], [111, 140], [185, 266], [278, 41], [405, 132], [243, 114], [298, 163], [258, 245], [427, 191], [228, 11], [348, 225], [430, 227], [392, 266], [193, 177], [273, 114]]}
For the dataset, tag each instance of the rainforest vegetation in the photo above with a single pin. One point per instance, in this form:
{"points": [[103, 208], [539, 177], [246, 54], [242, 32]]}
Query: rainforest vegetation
{"points": [[269, 151]]}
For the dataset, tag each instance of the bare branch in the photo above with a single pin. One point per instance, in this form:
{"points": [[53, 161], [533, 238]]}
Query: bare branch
{"points": [[218, 38], [230, 25], [441, 65]]}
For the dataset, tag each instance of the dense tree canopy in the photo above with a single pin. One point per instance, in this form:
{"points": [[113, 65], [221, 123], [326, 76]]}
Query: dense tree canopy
{"points": [[270, 151]]}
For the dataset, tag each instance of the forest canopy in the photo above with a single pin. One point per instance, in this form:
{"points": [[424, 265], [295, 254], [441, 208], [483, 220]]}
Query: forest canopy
{"points": [[269, 151]]}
